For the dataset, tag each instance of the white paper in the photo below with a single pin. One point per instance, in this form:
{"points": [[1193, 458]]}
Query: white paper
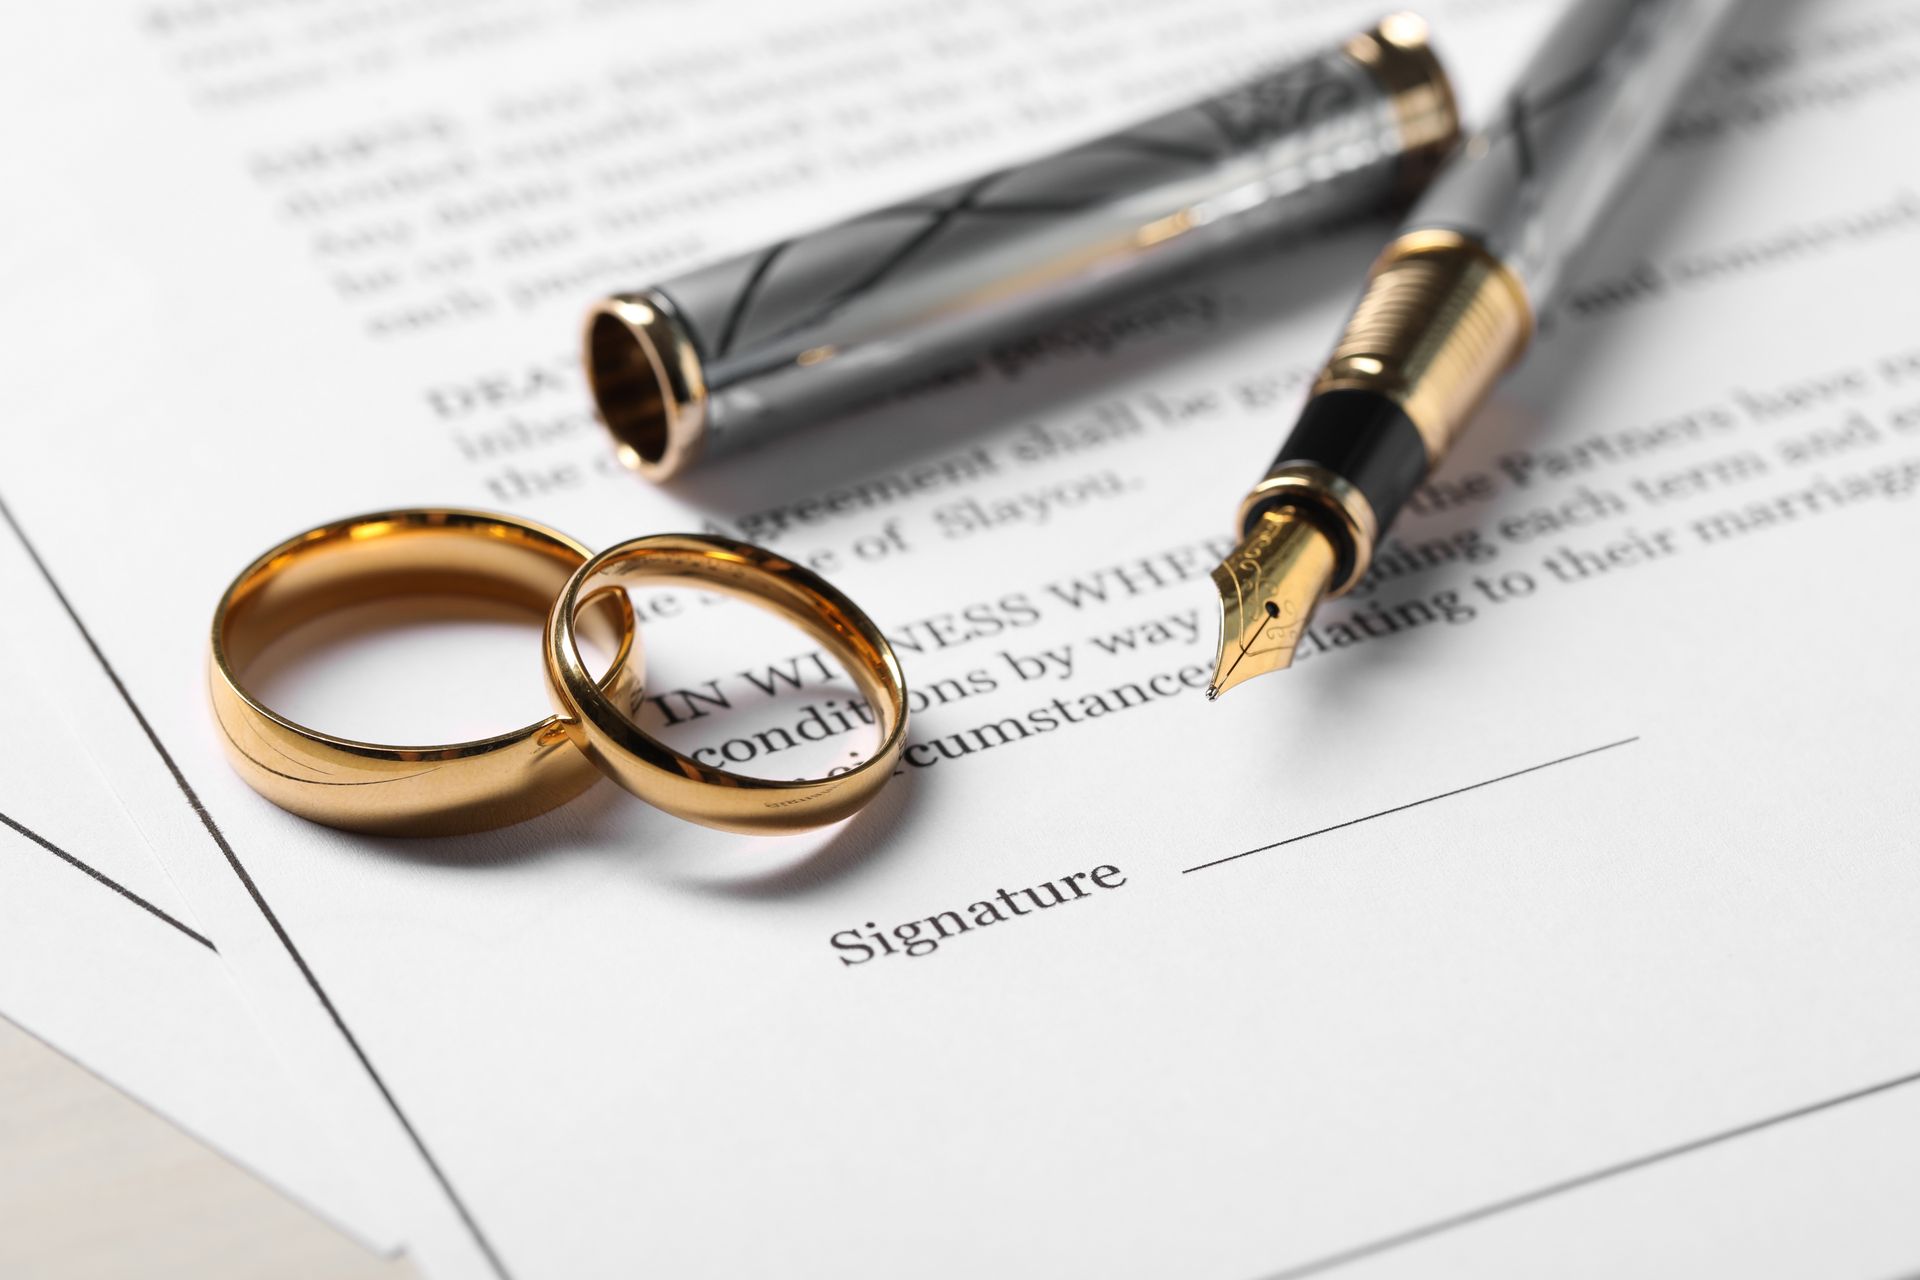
{"points": [[1619, 863], [101, 956], [1814, 1195]]}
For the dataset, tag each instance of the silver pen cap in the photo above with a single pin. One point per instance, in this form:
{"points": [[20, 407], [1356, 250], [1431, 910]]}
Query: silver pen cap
{"points": [[759, 345]]}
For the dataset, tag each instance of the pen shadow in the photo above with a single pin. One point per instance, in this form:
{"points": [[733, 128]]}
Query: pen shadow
{"points": [[1033, 376]]}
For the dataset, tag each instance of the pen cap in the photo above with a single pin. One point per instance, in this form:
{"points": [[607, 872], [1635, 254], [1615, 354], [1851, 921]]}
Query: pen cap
{"points": [[759, 345]]}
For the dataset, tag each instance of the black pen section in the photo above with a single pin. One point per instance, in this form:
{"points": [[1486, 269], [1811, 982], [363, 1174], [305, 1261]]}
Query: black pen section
{"points": [[1363, 437]]}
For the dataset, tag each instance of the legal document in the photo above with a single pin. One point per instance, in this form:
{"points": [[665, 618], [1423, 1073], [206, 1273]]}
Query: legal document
{"points": [[1564, 890]]}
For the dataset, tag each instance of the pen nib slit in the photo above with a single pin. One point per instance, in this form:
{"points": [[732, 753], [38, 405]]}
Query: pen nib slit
{"points": [[1268, 588]]}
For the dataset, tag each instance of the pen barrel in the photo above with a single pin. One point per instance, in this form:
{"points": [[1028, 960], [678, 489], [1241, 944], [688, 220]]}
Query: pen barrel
{"points": [[1452, 303], [1534, 183], [751, 348]]}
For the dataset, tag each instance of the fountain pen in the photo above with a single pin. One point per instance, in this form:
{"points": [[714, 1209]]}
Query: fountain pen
{"points": [[1448, 308]]}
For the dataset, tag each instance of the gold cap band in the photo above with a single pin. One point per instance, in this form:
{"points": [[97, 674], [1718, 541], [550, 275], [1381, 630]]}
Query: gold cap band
{"points": [[1401, 59], [647, 382], [1344, 514]]}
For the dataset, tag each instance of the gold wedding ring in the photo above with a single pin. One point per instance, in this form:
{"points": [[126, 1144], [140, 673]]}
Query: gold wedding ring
{"points": [[434, 790], [598, 719], [473, 786]]}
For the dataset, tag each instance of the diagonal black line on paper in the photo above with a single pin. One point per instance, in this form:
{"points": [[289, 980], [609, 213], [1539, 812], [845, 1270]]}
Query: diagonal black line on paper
{"points": [[107, 880], [1438, 1226], [253, 891], [1411, 804]]}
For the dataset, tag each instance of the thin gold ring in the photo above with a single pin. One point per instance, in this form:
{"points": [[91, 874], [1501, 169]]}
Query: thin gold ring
{"points": [[601, 726], [435, 790]]}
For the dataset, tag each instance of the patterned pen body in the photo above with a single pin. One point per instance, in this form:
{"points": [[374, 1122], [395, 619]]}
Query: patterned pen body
{"points": [[1453, 301], [1448, 308], [761, 344]]}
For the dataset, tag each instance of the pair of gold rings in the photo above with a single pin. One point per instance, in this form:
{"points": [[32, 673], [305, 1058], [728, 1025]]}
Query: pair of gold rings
{"points": [[473, 786]]}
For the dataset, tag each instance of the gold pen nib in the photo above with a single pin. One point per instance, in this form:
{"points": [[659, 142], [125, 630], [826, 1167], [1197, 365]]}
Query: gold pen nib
{"points": [[1268, 588]]}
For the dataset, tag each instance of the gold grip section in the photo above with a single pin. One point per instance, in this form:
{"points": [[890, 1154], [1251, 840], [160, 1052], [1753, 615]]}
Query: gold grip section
{"points": [[1441, 320], [1401, 60], [1344, 511]]}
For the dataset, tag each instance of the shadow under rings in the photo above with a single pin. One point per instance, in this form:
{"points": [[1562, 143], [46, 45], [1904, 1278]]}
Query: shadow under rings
{"points": [[811, 860], [608, 822]]}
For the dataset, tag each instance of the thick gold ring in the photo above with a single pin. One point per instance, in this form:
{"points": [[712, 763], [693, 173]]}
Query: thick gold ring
{"points": [[600, 725], [361, 786]]}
